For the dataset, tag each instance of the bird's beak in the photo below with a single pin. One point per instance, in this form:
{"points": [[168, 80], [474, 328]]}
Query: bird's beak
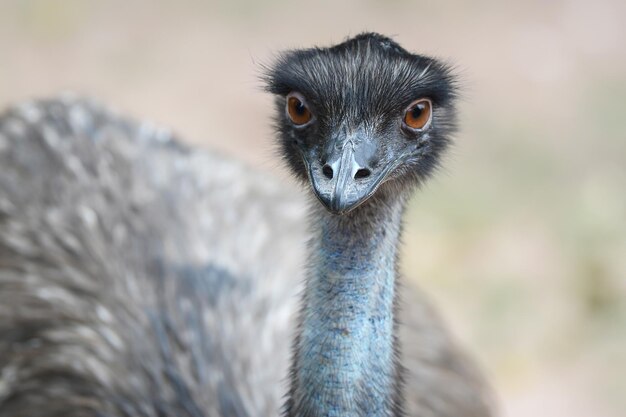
{"points": [[348, 178]]}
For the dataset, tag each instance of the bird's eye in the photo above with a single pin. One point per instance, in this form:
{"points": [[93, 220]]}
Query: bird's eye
{"points": [[297, 110], [417, 115]]}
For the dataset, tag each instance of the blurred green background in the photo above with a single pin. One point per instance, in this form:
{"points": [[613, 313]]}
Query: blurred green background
{"points": [[521, 239]]}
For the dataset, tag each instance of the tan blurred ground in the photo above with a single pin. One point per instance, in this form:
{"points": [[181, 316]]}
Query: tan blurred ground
{"points": [[521, 239]]}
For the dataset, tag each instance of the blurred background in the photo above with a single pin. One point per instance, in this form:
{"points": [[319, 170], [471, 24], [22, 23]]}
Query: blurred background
{"points": [[520, 240]]}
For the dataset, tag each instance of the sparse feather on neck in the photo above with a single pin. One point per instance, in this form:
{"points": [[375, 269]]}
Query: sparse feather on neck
{"points": [[345, 353]]}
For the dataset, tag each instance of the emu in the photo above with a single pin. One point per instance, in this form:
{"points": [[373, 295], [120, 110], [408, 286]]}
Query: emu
{"points": [[139, 277]]}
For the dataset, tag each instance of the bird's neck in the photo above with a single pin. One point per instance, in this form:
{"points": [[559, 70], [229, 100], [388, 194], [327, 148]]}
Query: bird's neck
{"points": [[344, 359]]}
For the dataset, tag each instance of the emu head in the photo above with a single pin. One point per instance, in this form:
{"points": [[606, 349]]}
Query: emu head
{"points": [[361, 119]]}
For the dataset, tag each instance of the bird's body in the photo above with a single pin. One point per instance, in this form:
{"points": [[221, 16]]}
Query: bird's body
{"points": [[118, 292], [139, 277]]}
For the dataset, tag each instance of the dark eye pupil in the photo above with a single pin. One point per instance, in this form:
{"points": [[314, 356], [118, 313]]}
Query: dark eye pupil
{"points": [[300, 108], [416, 112]]}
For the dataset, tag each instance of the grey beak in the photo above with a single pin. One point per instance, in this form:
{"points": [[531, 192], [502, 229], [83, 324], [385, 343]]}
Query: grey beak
{"points": [[347, 178], [345, 167]]}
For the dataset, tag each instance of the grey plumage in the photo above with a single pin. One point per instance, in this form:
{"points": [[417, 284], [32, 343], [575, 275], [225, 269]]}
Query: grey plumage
{"points": [[113, 290], [139, 277]]}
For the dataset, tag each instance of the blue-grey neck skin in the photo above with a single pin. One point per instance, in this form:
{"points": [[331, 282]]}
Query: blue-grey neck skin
{"points": [[344, 361]]}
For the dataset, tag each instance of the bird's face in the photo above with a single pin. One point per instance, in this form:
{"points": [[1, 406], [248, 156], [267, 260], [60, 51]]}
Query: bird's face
{"points": [[359, 115]]}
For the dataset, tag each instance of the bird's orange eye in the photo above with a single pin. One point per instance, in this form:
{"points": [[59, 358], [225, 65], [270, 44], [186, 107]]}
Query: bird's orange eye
{"points": [[297, 109], [418, 114]]}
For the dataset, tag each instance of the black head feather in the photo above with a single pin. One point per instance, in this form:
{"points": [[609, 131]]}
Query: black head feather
{"points": [[363, 85]]}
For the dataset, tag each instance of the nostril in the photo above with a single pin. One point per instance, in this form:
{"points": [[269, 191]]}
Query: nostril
{"points": [[327, 171], [362, 173]]}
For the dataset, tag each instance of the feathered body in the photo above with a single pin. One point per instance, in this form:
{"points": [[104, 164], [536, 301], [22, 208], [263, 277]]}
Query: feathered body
{"points": [[118, 294], [139, 277]]}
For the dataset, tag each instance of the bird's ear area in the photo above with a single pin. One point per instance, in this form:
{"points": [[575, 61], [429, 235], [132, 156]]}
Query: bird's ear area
{"points": [[287, 73], [433, 79]]}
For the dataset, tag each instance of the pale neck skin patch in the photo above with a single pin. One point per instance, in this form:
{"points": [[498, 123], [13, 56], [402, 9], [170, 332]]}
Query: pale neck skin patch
{"points": [[345, 351]]}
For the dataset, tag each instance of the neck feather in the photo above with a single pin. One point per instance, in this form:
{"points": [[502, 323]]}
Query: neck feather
{"points": [[344, 359]]}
